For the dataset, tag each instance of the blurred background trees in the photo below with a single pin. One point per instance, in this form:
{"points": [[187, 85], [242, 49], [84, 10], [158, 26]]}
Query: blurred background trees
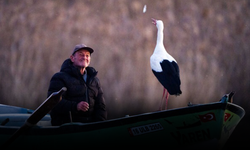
{"points": [[209, 39]]}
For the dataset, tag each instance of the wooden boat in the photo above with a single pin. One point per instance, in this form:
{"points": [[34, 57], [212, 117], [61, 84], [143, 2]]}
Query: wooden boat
{"points": [[195, 126]]}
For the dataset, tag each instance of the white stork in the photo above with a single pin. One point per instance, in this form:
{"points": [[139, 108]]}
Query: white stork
{"points": [[164, 66]]}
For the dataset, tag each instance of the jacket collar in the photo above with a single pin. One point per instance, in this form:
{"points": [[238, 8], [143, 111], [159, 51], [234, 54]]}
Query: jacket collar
{"points": [[68, 67]]}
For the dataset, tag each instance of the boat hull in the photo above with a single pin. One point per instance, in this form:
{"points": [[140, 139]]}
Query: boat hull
{"points": [[202, 126]]}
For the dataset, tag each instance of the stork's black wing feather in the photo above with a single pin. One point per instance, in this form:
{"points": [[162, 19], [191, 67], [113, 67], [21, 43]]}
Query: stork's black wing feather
{"points": [[169, 77]]}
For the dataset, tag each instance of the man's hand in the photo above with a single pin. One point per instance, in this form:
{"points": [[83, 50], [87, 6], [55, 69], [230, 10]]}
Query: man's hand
{"points": [[83, 106]]}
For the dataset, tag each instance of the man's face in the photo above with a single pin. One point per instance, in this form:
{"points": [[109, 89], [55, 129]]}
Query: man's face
{"points": [[81, 58]]}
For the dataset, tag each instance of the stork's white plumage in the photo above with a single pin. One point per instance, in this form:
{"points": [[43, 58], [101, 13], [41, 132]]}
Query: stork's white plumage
{"points": [[164, 66]]}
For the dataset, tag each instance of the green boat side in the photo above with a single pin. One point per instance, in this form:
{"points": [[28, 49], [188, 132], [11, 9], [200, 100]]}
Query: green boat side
{"points": [[232, 116], [203, 126]]}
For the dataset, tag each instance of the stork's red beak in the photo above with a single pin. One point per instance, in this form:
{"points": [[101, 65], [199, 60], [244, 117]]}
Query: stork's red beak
{"points": [[153, 21]]}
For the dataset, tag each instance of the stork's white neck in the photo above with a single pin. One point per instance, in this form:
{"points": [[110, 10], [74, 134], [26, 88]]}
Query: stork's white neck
{"points": [[159, 39], [160, 50]]}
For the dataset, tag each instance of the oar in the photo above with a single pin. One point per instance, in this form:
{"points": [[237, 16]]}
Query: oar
{"points": [[37, 115]]}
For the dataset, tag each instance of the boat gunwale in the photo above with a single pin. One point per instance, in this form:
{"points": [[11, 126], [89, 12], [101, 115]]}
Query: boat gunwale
{"points": [[236, 109], [82, 127]]}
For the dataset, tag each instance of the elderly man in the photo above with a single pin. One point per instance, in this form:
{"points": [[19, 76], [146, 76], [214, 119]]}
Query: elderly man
{"points": [[83, 101]]}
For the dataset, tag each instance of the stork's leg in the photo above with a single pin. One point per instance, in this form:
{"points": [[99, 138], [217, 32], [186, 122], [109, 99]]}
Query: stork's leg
{"points": [[162, 99], [167, 95]]}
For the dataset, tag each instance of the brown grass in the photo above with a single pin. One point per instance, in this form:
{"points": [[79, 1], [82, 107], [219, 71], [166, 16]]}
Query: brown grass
{"points": [[209, 39]]}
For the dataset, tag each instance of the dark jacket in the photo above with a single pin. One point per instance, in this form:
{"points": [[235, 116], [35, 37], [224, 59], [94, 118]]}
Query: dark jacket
{"points": [[77, 90]]}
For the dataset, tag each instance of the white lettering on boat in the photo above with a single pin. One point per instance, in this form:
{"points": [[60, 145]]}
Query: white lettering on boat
{"points": [[134, 131], [191, 137]]}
